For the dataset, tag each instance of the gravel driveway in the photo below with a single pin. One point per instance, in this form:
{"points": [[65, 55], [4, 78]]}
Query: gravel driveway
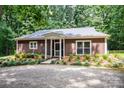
{"points": [[58, 76]]}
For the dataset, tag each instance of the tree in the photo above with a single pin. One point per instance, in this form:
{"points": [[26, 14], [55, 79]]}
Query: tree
{"points": [[22, 20], [6, 39]]}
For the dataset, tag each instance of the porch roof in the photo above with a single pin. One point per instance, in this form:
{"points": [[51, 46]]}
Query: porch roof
{"points": [[83, 32]]}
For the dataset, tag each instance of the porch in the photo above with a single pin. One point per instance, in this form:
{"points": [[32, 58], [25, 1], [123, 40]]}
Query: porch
{"points": [[54, 48]]}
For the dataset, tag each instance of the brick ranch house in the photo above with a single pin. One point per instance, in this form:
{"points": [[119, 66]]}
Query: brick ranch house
{"points": [[62, 42]]}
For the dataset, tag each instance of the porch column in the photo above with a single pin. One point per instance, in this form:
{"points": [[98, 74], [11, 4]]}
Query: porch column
{"points": [[45, 48], [106, 46], [63, 48], [51, 44], [60, 54]]}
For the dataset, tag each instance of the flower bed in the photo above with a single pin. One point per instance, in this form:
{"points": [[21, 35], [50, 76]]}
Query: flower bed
{"points": [[96, 60], [21, 59]]}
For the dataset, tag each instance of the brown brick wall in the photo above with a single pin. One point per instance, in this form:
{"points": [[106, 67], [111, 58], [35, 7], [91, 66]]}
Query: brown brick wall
{"points": [[98, 46], [23, 46]]}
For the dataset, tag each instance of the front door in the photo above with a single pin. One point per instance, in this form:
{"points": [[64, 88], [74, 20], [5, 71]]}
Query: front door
{"points": [[56, 49]]}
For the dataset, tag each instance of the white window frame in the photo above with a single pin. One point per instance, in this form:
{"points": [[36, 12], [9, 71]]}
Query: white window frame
{"points": [[33, 45], [83, 46]]}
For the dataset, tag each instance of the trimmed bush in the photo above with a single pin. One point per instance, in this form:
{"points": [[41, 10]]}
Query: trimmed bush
{"points": [[117, 64], [77, 63], [62, 62], [28, 55], [105, 57], [86, 63], [70, 57], [87, 57], [96, 60], [21, 55], [9, 62]]}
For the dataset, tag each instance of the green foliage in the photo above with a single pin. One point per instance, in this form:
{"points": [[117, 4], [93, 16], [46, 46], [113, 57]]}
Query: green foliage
{"points": [[11, 62], [23, 55], [97, 55], [77, 63], [21, 59], [16, 21], [105, 57], [87, 57], [97, 63], [62, 62], [117, 64], [70, 57], [118, 53], [85, 63], [7, 42], [78, 58], [108, 60]]}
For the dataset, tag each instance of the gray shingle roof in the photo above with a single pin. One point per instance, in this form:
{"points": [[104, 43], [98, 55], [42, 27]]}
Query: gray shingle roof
{"points": [[73, 32]]}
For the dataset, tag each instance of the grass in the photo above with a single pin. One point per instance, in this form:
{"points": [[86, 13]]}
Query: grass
{"points": [[118, 52], [4, 57]]}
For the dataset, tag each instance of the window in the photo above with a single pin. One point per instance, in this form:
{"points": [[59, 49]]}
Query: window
{"points": [[86, 47], [83, 47], [33, 45]]}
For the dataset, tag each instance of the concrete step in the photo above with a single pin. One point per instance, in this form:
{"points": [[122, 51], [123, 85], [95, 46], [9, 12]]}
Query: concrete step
{"points": [[49, 61]]}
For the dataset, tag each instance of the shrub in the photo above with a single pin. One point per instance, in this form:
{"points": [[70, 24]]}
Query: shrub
{"points": [[66, 59], [32, 62], [86, 63], [62, 62], [28, 55], [9, 62], [87, 57], [97, 55], [24, 62], [4, 64], [117, 64], [70, 57], [52, 62], [77, 63], [18, 63], [78, 58], [105, 57], [97, 63], [21, 55]]}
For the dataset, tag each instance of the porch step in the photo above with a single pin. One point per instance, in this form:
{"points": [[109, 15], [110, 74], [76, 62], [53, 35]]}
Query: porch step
{"points": [[49, 61]]}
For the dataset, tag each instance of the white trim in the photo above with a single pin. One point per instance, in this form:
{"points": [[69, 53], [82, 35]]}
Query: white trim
{"points": [[54, 46], [45, 48], [51, 48], [63, 48], [90, 47], [105, 45], [60, 49], [33, 45], [76, 37], [83, 46]]}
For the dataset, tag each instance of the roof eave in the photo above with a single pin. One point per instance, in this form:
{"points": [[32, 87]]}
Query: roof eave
{"points": [[67, 37]]}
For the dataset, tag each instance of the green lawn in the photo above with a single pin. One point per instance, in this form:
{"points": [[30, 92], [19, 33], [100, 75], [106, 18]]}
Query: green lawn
{"points": [[119, 53], [4, 57]]}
